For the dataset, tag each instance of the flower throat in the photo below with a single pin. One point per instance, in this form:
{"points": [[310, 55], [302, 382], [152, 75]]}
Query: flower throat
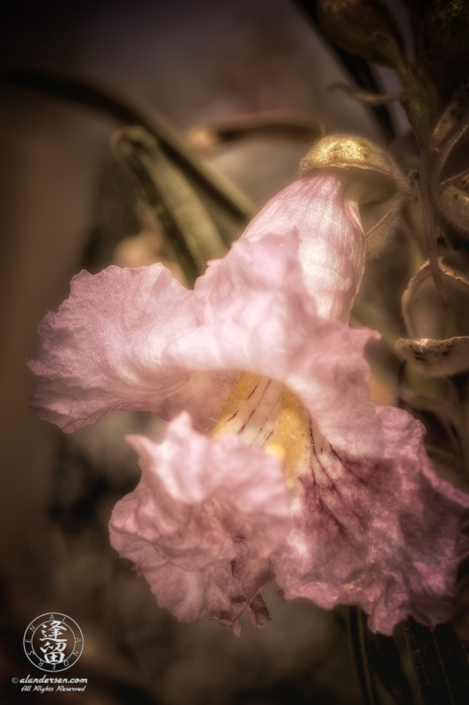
{"points": [[268, 415]]}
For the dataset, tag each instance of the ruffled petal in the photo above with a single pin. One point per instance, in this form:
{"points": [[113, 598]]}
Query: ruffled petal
{"points": [[256, 315], [211, 519], [104, 351], [387, 534], [202, 534], [137, 340]]}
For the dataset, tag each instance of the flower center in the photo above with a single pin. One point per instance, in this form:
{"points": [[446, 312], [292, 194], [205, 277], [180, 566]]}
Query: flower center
{"points": [[268, 415]]}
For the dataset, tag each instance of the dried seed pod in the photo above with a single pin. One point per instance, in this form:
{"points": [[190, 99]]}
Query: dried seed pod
{"points": [[436, 358]]}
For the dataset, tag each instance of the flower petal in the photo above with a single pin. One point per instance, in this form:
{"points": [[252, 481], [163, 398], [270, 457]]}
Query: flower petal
{"points": [[257, 316], [332, 249], [104, 351], [136, 339], [202, 535], [385, 534]]}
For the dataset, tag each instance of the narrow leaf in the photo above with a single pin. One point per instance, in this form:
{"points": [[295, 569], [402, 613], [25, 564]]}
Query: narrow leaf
{"points": [[102, 97], [440, 664], [188, 229], [361, 655]]}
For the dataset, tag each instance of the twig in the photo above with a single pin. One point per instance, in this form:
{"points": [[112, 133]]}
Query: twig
{"points": [[427, 217], [367, 97], [276, 124]]}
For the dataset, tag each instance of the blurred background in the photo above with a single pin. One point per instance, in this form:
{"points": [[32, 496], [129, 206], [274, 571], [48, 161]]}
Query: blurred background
{"points": [[66, 203]]}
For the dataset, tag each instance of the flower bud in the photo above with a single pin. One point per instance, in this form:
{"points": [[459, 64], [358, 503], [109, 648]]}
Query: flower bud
{"points": [[363, 27], [444, 41]]}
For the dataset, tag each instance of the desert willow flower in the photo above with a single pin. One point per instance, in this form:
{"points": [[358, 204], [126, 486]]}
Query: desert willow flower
{"points": [[276, 466]]}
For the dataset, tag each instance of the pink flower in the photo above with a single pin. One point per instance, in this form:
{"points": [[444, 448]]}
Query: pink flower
{"points": [[289, 472]]}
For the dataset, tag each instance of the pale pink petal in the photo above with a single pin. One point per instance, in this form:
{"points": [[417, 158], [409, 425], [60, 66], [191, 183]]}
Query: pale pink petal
{"points": [[332, 248], [136, 339], [104, 351], [208, 523], [203, 522], [257, 316], [385, 534]]}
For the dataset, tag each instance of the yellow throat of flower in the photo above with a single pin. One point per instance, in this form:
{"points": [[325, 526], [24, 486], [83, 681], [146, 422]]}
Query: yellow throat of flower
{"points": [[267, 414]]}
